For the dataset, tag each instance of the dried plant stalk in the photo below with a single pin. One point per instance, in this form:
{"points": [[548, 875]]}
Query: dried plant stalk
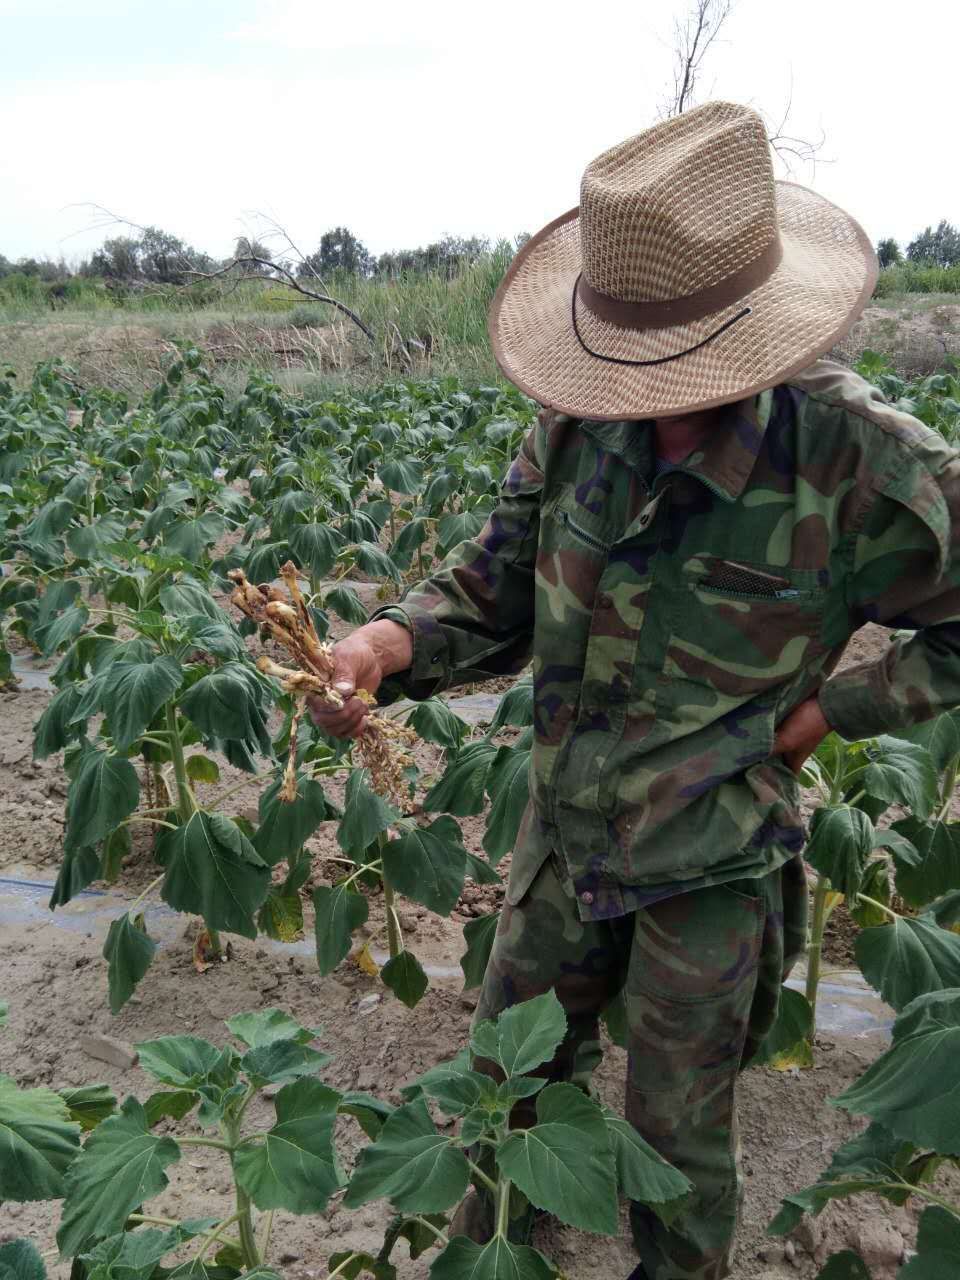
{"points": [[381, 742]]}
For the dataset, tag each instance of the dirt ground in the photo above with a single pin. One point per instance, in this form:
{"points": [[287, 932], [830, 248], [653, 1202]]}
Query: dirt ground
{"points": [[788, 1130]]}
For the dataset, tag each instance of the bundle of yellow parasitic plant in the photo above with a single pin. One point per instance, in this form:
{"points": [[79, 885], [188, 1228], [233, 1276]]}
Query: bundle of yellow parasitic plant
{"points": [[381, 742]]}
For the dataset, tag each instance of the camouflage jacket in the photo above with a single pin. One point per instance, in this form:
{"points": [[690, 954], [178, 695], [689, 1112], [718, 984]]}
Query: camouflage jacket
{"points": [[675, 617]]}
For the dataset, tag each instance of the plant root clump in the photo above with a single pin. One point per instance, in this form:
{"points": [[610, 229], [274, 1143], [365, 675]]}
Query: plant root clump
{"points": [[381, 742]]}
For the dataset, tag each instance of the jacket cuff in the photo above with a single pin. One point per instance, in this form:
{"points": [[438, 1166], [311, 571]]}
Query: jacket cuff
{"points": [[856, 703], [429, 670]]}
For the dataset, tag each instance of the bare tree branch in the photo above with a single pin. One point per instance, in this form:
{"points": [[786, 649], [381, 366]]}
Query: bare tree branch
{"points": [[692, 40]]}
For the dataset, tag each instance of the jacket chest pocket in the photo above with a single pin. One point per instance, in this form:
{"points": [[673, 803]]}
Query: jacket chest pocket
{"points": [[738, 630]]}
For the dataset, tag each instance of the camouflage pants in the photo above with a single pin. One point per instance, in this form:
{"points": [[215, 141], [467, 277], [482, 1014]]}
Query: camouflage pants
{"points": [[700, 974]]}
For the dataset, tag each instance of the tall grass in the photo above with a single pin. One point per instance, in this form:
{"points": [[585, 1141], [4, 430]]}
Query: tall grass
{"points": [[911, 277]]}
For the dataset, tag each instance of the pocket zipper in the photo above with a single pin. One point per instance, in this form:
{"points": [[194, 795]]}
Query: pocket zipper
{"points": [[582, 534], [787, 593]]}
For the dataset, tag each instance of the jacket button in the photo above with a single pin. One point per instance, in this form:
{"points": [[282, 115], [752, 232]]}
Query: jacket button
{"points": [[604, 601], [586, 898]]}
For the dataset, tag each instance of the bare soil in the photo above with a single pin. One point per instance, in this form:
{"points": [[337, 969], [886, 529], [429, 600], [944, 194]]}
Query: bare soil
{"points": [[55, 983]]}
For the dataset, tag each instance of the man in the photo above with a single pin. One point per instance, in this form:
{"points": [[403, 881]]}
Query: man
{"points": [[702, 516]]}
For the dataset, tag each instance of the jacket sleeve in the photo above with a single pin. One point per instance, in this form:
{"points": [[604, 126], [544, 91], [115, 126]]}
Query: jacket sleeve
{"points": [[905, 574], [473, 618]]}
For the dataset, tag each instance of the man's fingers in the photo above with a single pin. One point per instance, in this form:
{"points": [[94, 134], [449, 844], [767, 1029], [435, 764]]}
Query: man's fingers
{"points": [[339, 722]]}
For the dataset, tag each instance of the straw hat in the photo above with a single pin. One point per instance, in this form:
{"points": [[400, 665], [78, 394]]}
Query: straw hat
{"points": [[686, 278]]}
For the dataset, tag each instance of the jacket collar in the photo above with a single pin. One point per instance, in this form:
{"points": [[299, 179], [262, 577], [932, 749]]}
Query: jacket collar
{"points": [[723, 464]]}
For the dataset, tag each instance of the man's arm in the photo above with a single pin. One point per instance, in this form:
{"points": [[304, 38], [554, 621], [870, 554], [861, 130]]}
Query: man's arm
{"points": [[471, 619]]}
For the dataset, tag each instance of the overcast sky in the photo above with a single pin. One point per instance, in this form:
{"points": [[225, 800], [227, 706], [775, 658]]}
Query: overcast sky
{"points": [[409, 121]]}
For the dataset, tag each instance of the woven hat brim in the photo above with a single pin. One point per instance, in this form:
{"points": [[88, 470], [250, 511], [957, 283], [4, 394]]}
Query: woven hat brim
{"points": [[825, 278]]}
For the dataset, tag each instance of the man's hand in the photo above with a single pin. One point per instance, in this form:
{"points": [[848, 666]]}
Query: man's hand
{"points": [[361, 661], [800, 734]]}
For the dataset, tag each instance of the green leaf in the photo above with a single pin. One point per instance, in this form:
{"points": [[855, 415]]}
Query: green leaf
{"points": [[346, 604], [266, 1026], [456, 1087], [462, 788], [63, 630], [38, 1141], [405, 977], [88, 541], [129, 952], [456, 528], [121, 1166], [846, 1265], [350, 1264], [564, 1163], [939, 736], [480, 870], [478, 935], [184, 599], [908, 957], [365, 814], [281, 916], [402, 475], [509, 787], [181, 1061], [228, 704], [130, 1255], [118, 844], [281, 1061], [79, 868], [370, 1113], [375, 562], [89, 1104], [56, 726], [876, 885], [315, 547], [526, 1035], [938, 1247], [841, 840], [900, 773], [339, 911], [433, 721], [413, 535], [498, 1260], [174, 1103], [189, 537], [212, 869], [104, 791], [787, 1043], [19, 1260], [294, 1165], [913, 1089], [427, 864], [286, 826], [516, 707], [937, 870], [642, 1173], [416, 1168], [202, 769]]}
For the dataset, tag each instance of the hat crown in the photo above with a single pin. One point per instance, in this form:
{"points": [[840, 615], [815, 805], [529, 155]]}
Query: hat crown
{"points": [[680, 207]]}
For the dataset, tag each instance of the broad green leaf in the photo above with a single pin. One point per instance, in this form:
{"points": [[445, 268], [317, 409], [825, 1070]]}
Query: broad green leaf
{"points": [[427, 864], [339, 911], [456, 1087], [405, 977], [478, 935], [498, 1260], [130, 1255], [266, 1026], [185, 599], [286, 826], [104, 791], [202, 769], [181, 1061], [281, 916], [88, 1104], [413, 535], [20, 1260], [281, 1061], [841, 840], [38, 1141], [294, 1165], [375, 562], [87, 541], [940, 736], [118, 844], [62, 630], [402, 475], [346, 604], [846, 1265], [527, 1034], [129, 952], [509, 787], [365, 814], [213, 870], [79, 868], [564, 1163], [410, 1164], [121, 1166], [900, 773], [642, 1173], [189, 537], [787, 1043], [228, 704], [480, 870], [56, 727], [937, 870], [433, 721], [876, 886], [172, 1103], [516, 707], [351, 1264], [908, 957], [315, 547], [456, 528], [913, 1089], [462, 788], [370, 1113], [938, 1247]]}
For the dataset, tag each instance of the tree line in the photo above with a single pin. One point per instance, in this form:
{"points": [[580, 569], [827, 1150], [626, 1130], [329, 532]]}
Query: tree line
{"points": [[938, 247]]}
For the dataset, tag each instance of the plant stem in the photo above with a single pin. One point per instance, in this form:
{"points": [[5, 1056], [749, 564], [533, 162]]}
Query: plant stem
{"points": [[420, 565], [441, 1235], [217, 801], [338, 1271], [503, 1208], [206, 1142], [266, 1233], [149, 889], [152, 1218], [248, 1240], [139, 820], [949, 782], [215, 1235], [872, 902], [394, 934], [477, 1172], [187, 805], [815, 945]]}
